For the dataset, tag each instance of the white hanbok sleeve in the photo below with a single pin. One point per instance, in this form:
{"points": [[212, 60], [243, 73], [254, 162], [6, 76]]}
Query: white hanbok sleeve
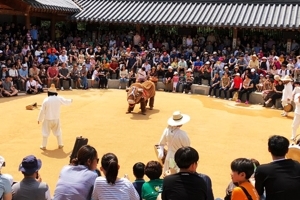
{"points": [[163, 139], [42, 113], [64, 101]]}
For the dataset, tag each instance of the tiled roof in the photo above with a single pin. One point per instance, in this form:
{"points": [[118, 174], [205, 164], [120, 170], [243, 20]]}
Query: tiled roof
{"points": [[55, 5], [285, 16]]}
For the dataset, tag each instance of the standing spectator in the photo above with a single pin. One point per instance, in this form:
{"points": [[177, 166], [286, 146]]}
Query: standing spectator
{"points": [[83, 77], [110, 186], [139, 172], [123, 76], [64, 75], [52, 75], [236, 85], [186, 184], [280, 179], [5, 185], [76, 180], [189, 79], [215, 85], [242, 170], [31, 186], [152, 188], [114, 68], [50, 116], [174, 138]]}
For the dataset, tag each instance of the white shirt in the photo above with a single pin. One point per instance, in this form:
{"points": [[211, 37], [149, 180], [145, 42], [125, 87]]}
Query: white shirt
{"points": [[32, 83], [123, 189], [50, 109], [141, 74], [287, 92], [95, 74], [297, 103], [63, 58], [13, 72]]}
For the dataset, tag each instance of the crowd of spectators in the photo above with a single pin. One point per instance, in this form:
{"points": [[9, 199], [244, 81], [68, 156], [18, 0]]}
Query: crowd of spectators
{"points": [[83, 181]]}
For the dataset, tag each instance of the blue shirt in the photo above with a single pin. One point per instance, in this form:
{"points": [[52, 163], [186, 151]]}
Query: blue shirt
{"points": [[138, 186], [52, 58], [5, 186], [23, 73], [75, 182]]}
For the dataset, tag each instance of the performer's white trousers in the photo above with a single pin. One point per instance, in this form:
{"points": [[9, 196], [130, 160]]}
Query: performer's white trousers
{"points": [[295, 124], [47, 127], [283, 103]]}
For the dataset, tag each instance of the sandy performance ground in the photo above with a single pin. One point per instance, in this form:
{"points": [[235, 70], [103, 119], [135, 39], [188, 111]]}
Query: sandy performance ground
{"points": [[220, 130]]}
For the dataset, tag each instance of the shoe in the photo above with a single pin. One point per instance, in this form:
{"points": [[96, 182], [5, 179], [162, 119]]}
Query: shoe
{"points": [[238, 100], [284, 114], [264, 104], [60, 146], [208, 95], [43, 148], [273, 107], [189, 93], [183, 92], [214, 96], [120, 87], [107, 87], [293, 138], [61, 88], [70, 88], [247, 102], [230, 99]]}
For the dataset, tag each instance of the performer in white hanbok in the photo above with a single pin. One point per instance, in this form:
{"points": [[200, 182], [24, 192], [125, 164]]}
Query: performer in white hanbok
{"points": [[50, 116], [174, 138], [287, 93], [296, 121]]}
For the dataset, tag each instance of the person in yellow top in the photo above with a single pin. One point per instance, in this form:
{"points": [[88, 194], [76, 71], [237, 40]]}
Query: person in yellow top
{"points": [[253, 63], [242, 169]]}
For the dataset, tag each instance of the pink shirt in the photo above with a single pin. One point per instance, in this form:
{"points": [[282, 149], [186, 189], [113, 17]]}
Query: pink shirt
{"points": [[175, 78]]}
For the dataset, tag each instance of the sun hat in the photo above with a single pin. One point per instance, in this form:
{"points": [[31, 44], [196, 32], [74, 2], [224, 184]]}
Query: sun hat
{"points": [[277, 77], [189, 70], [178, 119], [175, 73], [52, 89], [286, 78], [237, 74], [252, 70], [30, 164]]}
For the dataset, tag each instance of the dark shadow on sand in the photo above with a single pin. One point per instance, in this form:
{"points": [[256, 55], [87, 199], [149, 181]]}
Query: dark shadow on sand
{"points": [[56, 153], [137, 115]]}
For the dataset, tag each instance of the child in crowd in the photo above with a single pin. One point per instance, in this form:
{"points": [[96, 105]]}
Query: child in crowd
{"points": [[260, 85], [175, 80], [139, 172], [242, 170], [95, 76]]}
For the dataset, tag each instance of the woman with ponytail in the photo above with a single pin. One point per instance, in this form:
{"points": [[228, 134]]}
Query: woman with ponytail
{"points": [[110, 186], [76, 181]]}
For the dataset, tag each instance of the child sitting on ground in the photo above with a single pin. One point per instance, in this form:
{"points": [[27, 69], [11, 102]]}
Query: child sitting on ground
{"points": [[175, 80], [139, 172], [242, 170]]}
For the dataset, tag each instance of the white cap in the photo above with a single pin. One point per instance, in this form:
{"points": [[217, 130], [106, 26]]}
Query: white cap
{"points": [[175, 73], [170, 67], [1, 51], [252, 70], [237, 74], [189, 70]]}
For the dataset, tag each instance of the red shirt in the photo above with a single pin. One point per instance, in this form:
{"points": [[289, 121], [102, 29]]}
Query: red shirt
{"points": [[52, 71], [114, 65], [237, 82]]}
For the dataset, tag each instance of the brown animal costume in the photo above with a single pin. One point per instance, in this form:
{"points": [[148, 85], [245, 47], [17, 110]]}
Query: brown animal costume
{"points": [[140, 93]]}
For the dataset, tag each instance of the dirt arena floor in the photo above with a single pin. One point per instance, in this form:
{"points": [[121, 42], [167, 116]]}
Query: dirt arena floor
{"points": [[220, 130]]}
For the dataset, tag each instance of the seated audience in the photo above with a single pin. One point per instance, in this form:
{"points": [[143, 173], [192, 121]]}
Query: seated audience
{"points": [[246, 88], [186, 184], [275, 94], [189, 79], [8, 89], [76, 180], [123, 76], [152, 188], [111, 186], [33, 87], [31, 186], [5, 189], [139, 172], [242, 170], [280, 179], [224, 86], [64, 75]]}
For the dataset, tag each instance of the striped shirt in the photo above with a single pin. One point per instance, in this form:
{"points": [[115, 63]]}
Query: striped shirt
{"points": [[123, 189]]}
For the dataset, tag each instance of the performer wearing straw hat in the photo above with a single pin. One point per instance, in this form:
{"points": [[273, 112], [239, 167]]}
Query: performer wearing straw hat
{"points": [[287, 93], [174, 138], [50, 115]]}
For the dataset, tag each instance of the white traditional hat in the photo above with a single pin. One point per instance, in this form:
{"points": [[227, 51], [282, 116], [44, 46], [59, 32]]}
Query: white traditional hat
{"points": [[178, 119], [286, 78], [52, 89]]}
